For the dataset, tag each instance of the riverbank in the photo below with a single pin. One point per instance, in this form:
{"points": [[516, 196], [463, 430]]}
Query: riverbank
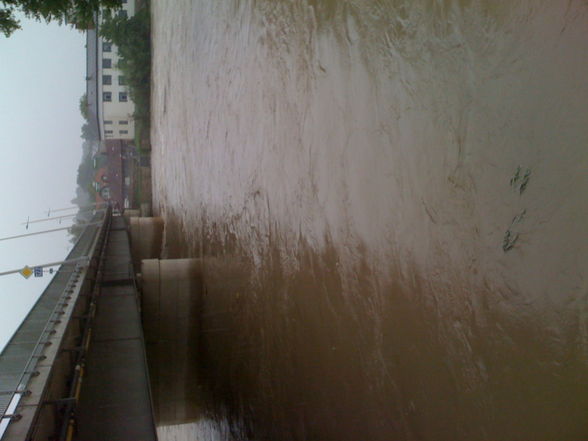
{"points": [[133, 36]]}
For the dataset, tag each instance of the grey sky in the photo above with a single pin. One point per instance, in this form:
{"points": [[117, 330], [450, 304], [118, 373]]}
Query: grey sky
{"points": [[42, 77]]}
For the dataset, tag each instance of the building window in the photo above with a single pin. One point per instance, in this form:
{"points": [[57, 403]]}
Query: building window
{"points": [[106, 63], [107, 122], [123, 14], [124, 132], [123, 122], [108, 132], [106, 96], [122, 80], [107, 80], [123, 97], [106, 46]]}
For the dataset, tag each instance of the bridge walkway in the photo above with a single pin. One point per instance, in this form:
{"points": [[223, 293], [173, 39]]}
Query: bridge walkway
{"points": [[76, 368], [115, 401]]}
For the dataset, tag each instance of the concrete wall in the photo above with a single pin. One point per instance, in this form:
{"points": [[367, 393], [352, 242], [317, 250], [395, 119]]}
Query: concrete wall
{"points": [[146, 238], [170, 308]]}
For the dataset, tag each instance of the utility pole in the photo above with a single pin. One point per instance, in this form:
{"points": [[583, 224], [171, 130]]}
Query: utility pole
{"points": [[46, 231], [73, 208], [64, 216], [83, 259], [59, 209]]}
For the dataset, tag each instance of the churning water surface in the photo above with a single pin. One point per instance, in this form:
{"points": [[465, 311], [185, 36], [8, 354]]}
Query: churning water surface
{"points": [[390, 200]]}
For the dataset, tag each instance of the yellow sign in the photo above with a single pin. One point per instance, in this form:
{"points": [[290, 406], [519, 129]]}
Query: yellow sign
{"points": [[26, 272]]}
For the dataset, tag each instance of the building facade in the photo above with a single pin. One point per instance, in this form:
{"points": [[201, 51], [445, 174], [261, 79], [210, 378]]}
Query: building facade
{"points": [[110, 115], [112, 176], [111, 107]]}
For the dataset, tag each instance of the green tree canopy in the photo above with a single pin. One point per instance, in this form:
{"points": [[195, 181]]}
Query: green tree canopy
{"points": [[89, 132], [132, 37], [79, 13], [84, 106]]}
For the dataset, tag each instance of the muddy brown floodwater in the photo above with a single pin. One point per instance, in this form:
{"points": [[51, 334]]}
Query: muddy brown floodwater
{"points": [[391, 201]]}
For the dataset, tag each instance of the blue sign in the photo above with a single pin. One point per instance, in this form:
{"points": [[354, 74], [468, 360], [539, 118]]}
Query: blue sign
{"points": [[38, 271]]}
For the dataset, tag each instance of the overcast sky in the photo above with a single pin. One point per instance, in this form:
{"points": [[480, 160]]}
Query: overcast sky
{"points": [[42, 77]]}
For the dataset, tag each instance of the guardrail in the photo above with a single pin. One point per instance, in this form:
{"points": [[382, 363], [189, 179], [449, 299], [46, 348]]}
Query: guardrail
{"points": [[14, 381]]}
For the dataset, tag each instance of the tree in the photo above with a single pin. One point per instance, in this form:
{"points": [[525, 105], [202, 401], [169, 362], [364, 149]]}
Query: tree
{"points": [[132, 37], [84, 106], [7, 22], [89, 132], [78, 13]]}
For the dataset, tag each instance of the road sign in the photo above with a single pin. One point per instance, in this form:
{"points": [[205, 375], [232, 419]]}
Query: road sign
{"points": [[26, 272], [38, 270]]}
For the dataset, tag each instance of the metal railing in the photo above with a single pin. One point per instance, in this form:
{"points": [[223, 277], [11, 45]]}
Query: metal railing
{"points": [[14, 382]]}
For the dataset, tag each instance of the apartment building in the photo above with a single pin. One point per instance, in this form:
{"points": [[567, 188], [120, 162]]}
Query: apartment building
{"points": [[110, 114], [110, 106]]}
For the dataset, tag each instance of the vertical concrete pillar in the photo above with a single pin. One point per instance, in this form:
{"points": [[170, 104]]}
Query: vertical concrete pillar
{"points": [[129, 213], [146, 238], [170, 308], [146, 209]]}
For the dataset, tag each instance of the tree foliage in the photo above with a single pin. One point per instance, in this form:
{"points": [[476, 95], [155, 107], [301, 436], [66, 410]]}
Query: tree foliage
{"points": [[89, 132], [84, 106], [8, 24], [78, 13], [86, 167], [132, 36]]}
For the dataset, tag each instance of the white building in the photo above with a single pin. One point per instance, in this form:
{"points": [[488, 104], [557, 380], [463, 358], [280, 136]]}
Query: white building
{"points": [[111, 108]]}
